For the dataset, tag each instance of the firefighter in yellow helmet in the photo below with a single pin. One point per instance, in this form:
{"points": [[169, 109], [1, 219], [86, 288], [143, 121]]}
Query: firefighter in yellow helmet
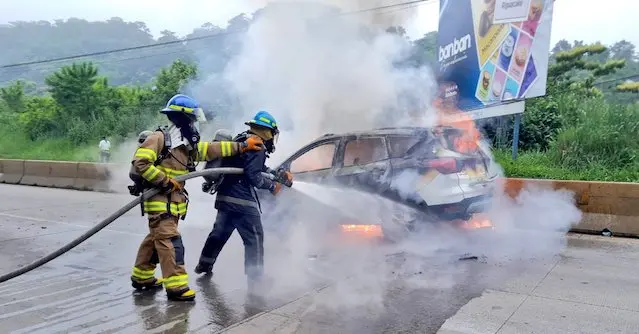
{"points": [[163, 155]]}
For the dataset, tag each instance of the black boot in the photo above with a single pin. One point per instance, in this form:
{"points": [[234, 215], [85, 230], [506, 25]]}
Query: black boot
{"points": [[204, 269], [155, 284], [182, 295]]}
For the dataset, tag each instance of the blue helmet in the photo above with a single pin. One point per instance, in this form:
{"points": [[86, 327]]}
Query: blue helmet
{"points": [[183, 104], [263, 118]]}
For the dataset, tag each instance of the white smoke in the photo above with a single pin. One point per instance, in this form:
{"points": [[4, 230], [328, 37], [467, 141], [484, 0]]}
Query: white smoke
{"points": [[317, 72], [320, 73]]}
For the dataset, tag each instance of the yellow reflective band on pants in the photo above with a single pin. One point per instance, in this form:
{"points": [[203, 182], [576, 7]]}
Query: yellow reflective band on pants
{"points": [[146, 153], [177, 281], [172, 173], [142, 275], [159, 207], [150, 173]]}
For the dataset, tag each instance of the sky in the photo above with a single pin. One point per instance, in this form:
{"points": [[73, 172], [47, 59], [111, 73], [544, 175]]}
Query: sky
{"points": [[586, 20]]}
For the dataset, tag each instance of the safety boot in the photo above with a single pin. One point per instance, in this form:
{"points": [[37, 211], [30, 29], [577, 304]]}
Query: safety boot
{"points": [[181, 295], [154, 284], [204, 269]]}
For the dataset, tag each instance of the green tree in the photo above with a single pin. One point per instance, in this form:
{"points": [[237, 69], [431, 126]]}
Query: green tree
{"points": [[631, 87], [13, 96], [39, 120], [570, 86], [425, 50], [172, 80], [73, 89]]}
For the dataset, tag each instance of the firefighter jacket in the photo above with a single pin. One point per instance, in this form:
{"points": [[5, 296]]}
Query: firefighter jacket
{"points": [[236, 192], [172, 165]]}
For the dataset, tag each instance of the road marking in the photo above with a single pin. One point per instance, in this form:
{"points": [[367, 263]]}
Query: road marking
{"points": [[65, 223]]}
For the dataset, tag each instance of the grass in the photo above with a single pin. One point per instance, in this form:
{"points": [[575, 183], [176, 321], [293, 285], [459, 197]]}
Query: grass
{"points": [[538, 165], [16, 145]]}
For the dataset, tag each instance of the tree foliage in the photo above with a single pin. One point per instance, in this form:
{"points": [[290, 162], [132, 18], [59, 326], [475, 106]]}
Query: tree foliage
{"points": [[585, 117]]}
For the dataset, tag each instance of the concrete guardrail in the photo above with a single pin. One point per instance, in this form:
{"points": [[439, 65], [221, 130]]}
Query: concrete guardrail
{"points": [[609, 205], [58, 174]]}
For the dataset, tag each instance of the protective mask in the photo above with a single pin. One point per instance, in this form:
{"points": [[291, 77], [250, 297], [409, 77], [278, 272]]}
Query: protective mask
{"points": [[188, 128], [191, 134], [270, 145]]}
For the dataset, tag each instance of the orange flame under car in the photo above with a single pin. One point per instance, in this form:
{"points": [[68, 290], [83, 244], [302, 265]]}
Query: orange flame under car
{"points": [[373, 231], [477, 222]]}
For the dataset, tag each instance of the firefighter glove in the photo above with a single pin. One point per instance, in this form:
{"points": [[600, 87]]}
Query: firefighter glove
{"points": [[172, 185], [277, 187], [285, 177], [251, 143]]}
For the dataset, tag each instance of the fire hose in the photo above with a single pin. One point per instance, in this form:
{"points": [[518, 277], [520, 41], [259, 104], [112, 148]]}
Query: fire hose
{"points": [[110, 219]]}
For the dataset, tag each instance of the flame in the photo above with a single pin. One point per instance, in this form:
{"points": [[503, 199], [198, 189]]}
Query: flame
{"points": [[368, 230], [478, 221], [449, 115]]}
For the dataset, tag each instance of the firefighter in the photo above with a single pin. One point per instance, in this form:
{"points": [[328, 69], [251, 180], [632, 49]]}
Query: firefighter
{"points": [[237, 203], [165, 154]]}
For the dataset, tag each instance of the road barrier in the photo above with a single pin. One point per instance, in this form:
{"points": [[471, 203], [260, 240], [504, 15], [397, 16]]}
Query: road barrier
{"points": [[11, 171], [611, 205], [58, 174]]}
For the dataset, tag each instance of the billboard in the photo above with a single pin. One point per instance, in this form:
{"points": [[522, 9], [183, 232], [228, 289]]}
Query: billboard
{"points": [[494, 51]]}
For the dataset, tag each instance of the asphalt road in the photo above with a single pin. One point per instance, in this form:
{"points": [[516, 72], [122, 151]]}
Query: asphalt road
{"points": [[366, 287]]}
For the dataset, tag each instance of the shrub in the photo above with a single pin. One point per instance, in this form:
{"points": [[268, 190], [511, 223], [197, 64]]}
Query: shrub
{"points": [[606, 135]]}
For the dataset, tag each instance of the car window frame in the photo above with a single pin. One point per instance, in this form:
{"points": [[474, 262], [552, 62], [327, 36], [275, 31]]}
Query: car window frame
{"points": [[419, 139], [339, 163], [335, 141]]}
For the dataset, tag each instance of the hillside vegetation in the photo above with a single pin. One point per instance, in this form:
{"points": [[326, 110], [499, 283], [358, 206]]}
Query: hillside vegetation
{"points": [[586, 127]]}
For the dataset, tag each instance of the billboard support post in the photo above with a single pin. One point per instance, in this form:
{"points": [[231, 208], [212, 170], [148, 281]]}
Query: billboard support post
{"points": [[516, 135]]}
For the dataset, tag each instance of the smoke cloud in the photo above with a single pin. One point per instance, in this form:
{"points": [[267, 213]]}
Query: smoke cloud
{"points": [[320, 73]]}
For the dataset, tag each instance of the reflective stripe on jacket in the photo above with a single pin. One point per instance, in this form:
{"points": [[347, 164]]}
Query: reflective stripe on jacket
{"points": [[173, 165]]}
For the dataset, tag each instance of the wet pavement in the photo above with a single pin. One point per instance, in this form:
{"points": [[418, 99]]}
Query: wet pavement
{"points": [[355, 288]]}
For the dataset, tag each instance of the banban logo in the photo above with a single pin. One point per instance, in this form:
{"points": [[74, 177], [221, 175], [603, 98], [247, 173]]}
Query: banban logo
{"points": [[455, 47]]}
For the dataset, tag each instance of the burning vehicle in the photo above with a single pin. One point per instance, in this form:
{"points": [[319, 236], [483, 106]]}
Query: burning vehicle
{"points": [[439, 175], [431, 170]]}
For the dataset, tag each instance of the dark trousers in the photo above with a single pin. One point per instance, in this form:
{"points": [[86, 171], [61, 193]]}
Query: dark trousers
{"points": [[250, 229], [105, 156]]}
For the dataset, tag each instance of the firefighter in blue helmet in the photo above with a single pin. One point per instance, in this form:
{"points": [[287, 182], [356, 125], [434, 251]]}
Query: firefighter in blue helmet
{"points": [[237, 203], [161, 156]]}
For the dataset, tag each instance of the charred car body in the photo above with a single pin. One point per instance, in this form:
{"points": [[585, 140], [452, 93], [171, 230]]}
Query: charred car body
{"points": [[415, 166]]}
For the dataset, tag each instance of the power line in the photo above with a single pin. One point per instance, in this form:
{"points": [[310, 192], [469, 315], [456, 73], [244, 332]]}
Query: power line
{"points": [[569, 88], [407, 4], [184, 40], [632, 76]]}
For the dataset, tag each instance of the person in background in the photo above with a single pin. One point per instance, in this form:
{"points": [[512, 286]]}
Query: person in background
{"points": [[105, 150]]}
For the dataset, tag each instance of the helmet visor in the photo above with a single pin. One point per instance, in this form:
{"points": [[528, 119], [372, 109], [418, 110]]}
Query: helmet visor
{"points": [[200, 118], [199, 115]]}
